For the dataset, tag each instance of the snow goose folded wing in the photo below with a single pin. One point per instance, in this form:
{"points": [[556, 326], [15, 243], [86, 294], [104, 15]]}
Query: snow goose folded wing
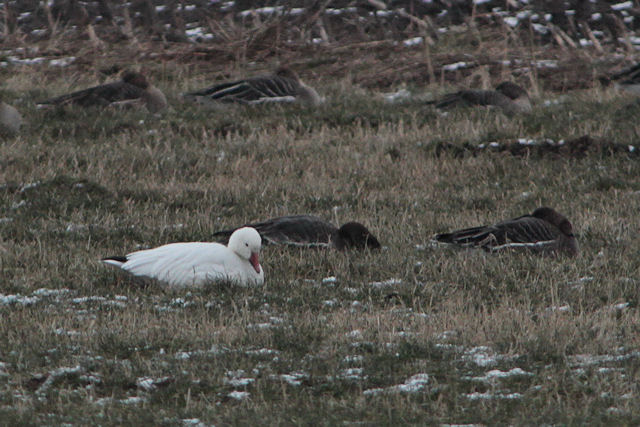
{"points": [[10, 119], [181, 265], [545, 230], [311, 231], [282, 86], [132, 87], [508, 96]]}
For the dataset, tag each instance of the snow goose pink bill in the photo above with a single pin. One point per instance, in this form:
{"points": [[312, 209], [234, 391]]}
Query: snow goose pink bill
{"points": [[194, 264], [543, 231]]}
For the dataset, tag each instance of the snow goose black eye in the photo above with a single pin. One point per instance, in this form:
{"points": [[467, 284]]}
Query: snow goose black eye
{"points": [[246, 244]]}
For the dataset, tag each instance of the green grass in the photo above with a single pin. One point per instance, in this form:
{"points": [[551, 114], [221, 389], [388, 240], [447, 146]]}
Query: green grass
{"points": [[108, 182]]}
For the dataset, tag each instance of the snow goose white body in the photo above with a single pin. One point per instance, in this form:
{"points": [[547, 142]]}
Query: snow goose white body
{"points": [[194, 264]]}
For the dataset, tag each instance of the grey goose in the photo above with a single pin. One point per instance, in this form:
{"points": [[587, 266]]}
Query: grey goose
{"points": [[627, 80], [311, 231], [282, 86], [133, 87], [545, 230], [510, 97]]}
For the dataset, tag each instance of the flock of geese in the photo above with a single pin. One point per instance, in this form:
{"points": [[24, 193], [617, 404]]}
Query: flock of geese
{"points": [[236, 257]]}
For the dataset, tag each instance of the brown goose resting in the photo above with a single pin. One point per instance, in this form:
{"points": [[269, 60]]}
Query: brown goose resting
{"points": [[626, 80], [282, 86], [133, 87], [508, 96], [310, 231], [544, 230]]}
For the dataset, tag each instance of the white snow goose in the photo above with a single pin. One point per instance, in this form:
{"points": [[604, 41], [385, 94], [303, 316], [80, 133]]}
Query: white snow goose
{"points": [[310, 231], [282, 86], [132, 88], [194, 264], [545, 231], [508, 96]]}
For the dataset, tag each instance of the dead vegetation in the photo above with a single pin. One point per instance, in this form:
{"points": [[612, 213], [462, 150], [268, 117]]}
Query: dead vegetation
{"points": [[411, 334]]}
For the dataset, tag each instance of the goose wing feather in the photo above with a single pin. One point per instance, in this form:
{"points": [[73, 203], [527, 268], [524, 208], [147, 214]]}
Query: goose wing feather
{"points": [[99, 95], [298, 230], [249, 90]]}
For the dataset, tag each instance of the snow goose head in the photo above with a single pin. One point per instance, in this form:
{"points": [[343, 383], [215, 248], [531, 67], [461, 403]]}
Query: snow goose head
{"points": [[246, 243]]}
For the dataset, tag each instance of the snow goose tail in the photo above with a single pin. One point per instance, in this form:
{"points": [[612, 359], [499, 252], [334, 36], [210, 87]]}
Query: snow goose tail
{"points": [[544, 230], [194, 264], [131, 89], [311, 231], [282, 86]]}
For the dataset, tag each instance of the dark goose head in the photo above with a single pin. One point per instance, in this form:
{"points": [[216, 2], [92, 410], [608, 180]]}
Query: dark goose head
{"points": [[136, 79], [555, 218], [287, 73], [355, 235], [511, 90]]}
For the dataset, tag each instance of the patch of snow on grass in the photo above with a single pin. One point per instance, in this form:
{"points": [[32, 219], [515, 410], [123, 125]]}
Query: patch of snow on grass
{"points": [[355, 334], [560, 308], [511, 21], [496, 374], [400, 95], [413, 384], [198, 33], [593, 359], [545, 63], [262, 352], [622, 6], [62, 62], [385, 283], [237, 378], [352, 374], [57, 374], [44, 292], [353, 359], [293, 378], [17, 299], [239, 395], [488, 395], [481, 356], [455, 66], [133, 400], [413, 41]]}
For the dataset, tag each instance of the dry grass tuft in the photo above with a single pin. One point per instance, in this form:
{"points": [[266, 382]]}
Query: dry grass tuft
{"points": [[410, 334]]}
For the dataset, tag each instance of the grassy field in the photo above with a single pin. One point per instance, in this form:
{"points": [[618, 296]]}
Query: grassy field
{"points": [[411, 334]]}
